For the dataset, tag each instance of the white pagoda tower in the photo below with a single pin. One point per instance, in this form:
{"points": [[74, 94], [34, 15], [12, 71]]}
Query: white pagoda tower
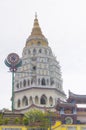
{"points": [[38, 82]]}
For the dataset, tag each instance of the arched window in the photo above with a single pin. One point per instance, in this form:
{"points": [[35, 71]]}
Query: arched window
{"points": [[31, 81], [34, 51], [43, 99], [25, 101], [24, 83], [51, 101], [36, 99], [38, 81], [31, 100], [34, 68], [29, 52], [52, 81], [18, 103], [43, 82], [47, 81], [20, 84], [17, 85], [28, 82], [40, 50]]}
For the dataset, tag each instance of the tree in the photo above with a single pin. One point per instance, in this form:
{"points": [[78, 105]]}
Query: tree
{"points": [[17, 120], [37, 118], [1, 119], [6, 120]]}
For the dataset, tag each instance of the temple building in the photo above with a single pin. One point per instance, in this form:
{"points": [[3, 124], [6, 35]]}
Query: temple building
{"points": [[70, 112], [38, 82]]}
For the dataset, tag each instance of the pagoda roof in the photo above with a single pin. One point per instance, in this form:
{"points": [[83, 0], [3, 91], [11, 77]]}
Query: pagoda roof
{"points": [[35, 106], [79, 99], [61, 104]]}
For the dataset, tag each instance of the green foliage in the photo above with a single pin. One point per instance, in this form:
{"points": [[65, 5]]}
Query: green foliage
{"points": [[25, 121], [17, 120], [6, 120], [1, 119], [36, 117]]}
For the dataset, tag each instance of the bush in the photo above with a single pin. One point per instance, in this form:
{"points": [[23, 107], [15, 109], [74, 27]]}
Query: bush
{"points": [[6, 120], [17, 120], [25, 121], [1, 119]]}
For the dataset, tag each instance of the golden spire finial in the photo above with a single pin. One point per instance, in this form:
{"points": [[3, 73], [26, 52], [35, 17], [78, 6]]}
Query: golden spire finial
{"points": [[35, 15], [36, 32]]}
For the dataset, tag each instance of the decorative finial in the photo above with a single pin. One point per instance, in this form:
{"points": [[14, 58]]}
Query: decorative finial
{"points": [[35, 15]]}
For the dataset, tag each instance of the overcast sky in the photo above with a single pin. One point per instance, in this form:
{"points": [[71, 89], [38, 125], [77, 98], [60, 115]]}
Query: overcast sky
{"points": [[63, 22]]}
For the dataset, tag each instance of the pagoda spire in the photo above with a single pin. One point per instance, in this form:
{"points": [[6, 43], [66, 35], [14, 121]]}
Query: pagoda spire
{"points": [[36, 30], [35, 15], [36, 33]]}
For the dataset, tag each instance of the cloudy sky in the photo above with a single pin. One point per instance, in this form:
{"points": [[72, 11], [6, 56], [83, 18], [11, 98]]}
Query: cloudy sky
{"points": [[63, 22]]}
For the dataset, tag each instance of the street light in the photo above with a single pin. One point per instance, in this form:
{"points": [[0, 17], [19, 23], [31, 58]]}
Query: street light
{"points": [[13, 62], [50, 119]]}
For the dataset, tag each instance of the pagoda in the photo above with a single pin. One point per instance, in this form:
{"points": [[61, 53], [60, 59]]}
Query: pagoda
{"points": [[38, 82]]}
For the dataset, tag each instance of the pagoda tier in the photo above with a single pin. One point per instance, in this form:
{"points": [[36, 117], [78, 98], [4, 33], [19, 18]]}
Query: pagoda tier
{"points": [[78, 99]]}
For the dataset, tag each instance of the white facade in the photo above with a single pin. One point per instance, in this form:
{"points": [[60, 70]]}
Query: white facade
{"points": [[38, 81]]}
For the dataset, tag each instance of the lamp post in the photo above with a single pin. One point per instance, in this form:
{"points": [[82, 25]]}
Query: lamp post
{"points": [[50, 122], [13, 62], [49, 117]]}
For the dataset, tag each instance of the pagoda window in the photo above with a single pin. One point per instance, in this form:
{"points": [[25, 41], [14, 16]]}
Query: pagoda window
{"points": [[34, 68], [51, 101], [43, 99], [38, 81], [24, 83], [18, 103], [43, 82], [36, 99], [47, 81], [34, 79], [25, 101], [28, 82], [52, 82], [20, 84], [17, 85], [31, 100], [40, 50], [29, 52], [34, 51], [34, 58], [31, 81]]}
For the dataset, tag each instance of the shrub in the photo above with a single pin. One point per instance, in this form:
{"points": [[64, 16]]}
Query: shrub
{"points": [[17, 120], [25, 121], [6, 120], [1, 119]]}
